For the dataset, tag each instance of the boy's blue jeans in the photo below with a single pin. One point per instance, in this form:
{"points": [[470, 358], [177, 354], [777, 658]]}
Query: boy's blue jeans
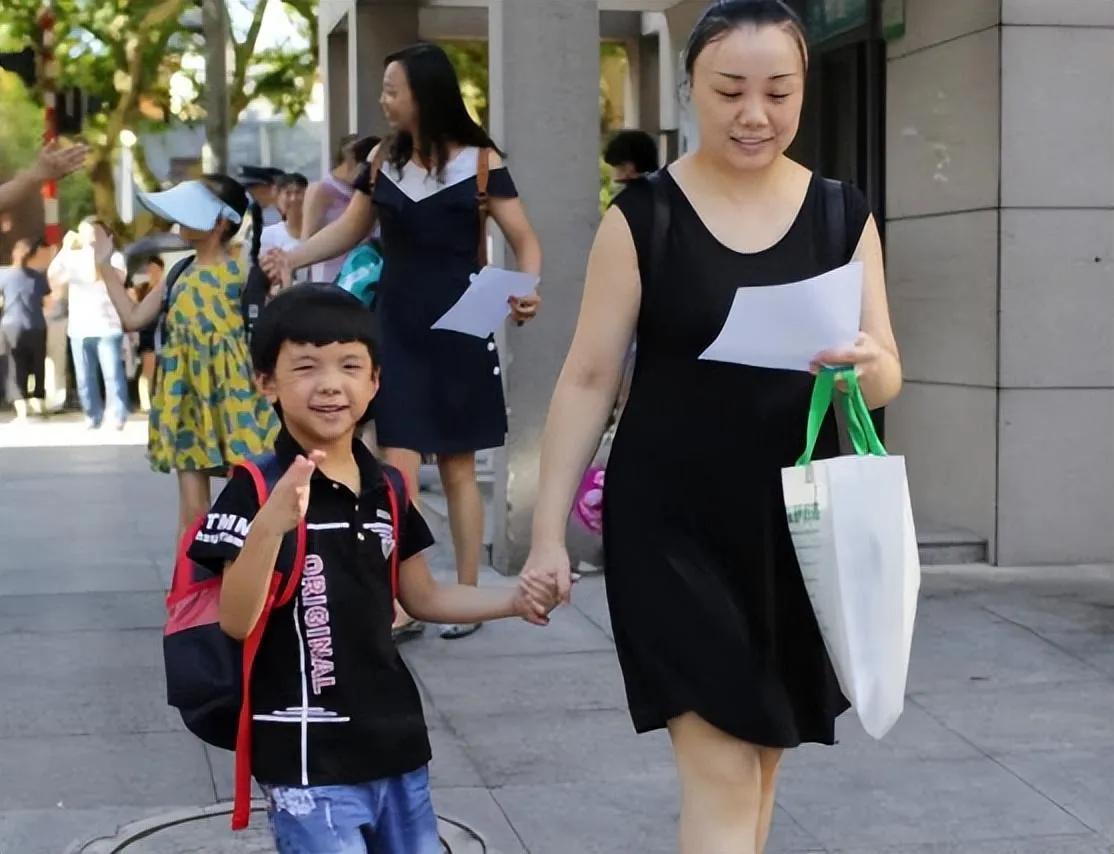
{"points": [[392, 816]]}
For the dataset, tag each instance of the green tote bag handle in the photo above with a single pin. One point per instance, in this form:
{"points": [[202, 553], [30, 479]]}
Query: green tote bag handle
{"points": [[860, 426]]}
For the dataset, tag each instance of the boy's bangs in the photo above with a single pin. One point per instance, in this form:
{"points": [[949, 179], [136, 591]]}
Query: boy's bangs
{"points": [[323, 325], [316, 314]]}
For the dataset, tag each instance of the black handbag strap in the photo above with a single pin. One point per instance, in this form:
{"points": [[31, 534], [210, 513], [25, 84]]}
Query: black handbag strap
{"points": [[660, 232], [837, 219], [834, 207]]}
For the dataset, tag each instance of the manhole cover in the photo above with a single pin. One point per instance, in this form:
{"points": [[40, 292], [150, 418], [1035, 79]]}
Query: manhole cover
{"points": [[206, 831]]}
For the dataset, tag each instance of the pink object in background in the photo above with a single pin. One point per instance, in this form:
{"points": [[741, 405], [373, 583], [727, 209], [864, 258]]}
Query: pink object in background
{"points": [[587, 509]]}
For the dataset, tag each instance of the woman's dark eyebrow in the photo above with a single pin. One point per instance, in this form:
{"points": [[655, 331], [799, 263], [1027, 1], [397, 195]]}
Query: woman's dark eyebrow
{"points": [[742, 77]]}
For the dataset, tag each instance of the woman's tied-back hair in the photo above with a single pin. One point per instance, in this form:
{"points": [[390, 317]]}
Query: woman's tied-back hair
{"points": [[443, 118], [355, 146], [233, 194], [726, 16]]}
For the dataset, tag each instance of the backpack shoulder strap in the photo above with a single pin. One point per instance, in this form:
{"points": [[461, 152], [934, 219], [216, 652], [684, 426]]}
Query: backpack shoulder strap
{"points": [[660, 232], [483, 200], [266, 471], [167, 293], [376, 165], [836, 215], [399, 501], [183, 577], [172, 279]]}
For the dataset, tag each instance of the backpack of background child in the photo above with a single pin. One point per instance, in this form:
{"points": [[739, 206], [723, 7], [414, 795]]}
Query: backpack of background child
{"points": [[253, 296], [360, 273]]}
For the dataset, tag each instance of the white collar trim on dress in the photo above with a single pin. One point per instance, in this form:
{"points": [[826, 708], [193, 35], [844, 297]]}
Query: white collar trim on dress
{"points": [[418, 184]]}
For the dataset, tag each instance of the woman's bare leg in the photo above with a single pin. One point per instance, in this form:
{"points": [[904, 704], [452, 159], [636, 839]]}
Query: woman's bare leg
{"points": [[771, 762], [147, 381], [466, 513], [721, 788]]}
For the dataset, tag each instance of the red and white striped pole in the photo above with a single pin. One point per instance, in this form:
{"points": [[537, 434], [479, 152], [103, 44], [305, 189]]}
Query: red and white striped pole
{"points": [[49, 76]]}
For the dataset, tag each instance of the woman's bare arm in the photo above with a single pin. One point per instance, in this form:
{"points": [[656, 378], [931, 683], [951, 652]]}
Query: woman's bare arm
{"points": [[589, 381], [337, 237], [314, 209], [874, 354]]}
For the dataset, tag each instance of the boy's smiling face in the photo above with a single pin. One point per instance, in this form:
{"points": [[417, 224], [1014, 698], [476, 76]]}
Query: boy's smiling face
{"points": [[323, 391]]}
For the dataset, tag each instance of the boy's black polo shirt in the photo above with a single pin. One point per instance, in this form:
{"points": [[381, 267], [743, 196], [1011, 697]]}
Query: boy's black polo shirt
{"points": [[332, 700]]}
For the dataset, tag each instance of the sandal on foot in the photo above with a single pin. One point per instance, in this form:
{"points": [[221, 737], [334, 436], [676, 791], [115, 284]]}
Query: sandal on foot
{"points": [[459, 630], [407, 631]]}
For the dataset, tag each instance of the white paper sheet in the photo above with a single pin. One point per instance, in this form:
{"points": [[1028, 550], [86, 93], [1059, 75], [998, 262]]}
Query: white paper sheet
{"points": [[785, 326], [484, 306]]}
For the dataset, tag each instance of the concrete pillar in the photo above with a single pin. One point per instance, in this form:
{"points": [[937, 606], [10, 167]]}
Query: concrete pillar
{"points": [[680, 19], [380, 30], [336, 84], [1000, 264], [942, 175], [544, 111], [1056, 292], [649, 82], [632, 101]]}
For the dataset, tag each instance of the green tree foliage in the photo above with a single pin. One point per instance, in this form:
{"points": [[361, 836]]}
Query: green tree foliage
{"points": [[470, 59], [140, 58]]}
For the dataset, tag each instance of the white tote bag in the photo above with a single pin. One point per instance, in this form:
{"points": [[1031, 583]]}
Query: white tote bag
{"points": [[852, 529]]}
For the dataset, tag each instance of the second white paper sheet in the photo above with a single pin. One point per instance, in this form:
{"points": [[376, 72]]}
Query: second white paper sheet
{"points": [[483, 306], [785, 326]]}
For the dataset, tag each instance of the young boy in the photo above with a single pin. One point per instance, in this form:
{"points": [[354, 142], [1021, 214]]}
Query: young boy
{"points": [[339, 742]]}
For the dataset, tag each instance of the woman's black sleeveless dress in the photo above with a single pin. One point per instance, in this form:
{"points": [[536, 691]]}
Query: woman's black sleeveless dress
{"points": [[709, 611], [440, 391]]}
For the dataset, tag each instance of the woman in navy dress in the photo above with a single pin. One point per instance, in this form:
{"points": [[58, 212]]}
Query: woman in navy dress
{"points": [[441, 392]]}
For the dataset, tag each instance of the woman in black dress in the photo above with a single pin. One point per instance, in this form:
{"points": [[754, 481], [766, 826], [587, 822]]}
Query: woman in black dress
{"points": [[441, 392], [713, 627]]}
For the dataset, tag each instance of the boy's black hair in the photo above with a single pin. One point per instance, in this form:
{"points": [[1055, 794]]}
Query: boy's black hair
{"points": [[157, 261], [633, 146], [292, 179], [318, 314]]}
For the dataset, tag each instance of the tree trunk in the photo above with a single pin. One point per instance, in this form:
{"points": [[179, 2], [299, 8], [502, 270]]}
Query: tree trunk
{"points": [[213, 21], [103, 178]]}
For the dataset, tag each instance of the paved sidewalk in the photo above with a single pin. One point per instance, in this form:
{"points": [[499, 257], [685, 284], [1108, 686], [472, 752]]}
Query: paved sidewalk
{"points": [[1006, 747]]}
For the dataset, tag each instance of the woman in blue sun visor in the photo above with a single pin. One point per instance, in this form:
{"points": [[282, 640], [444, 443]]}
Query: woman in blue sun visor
{"points": [[206, 414]]}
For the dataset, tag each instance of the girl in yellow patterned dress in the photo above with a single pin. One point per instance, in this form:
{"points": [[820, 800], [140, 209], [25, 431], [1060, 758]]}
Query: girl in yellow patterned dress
{"points": [[206, 414]]}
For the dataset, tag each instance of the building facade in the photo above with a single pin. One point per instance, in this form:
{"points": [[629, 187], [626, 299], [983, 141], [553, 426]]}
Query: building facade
{"points": [[982, 131]]}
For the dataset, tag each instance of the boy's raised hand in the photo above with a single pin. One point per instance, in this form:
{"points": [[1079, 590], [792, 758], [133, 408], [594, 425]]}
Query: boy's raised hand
{"points": [[288, 503]]}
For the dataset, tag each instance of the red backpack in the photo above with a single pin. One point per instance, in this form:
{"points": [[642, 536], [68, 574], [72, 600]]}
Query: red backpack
{"points": [[208, 673]]}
